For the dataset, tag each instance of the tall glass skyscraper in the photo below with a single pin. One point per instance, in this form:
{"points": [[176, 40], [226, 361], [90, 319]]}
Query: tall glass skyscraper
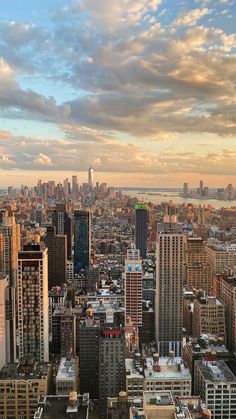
{"points": [[82, 239]]}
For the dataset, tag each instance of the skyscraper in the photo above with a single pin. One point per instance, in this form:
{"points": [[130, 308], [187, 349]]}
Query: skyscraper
{"points": [[141, 226], [11, 233], [111, 366], [169, 287], [133, 286], [74, 185], [61, 219], [90, 176], [57, 256], [33, 302], [82, 239]]}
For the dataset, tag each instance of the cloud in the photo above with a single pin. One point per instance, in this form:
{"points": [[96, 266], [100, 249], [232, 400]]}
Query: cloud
{"points": [[42, 159], [191, 17]]}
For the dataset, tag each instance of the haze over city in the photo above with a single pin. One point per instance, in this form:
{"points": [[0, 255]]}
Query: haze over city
{"points": [[144, 91]]}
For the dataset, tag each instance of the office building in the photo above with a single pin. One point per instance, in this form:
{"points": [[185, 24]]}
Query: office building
{"points": [[92, 277], [11, 233], [198, 273], [67, 378], [169, 287], [133, 286], [89, 332], [61, 219], [21, 384], [82, 240], [141, 228], [32, 295], [208, 317], [57, 257], [111, 366], [216, 385], [1, 255]]}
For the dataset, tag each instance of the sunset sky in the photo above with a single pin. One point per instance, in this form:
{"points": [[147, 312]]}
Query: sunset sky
{"points": [[143, 90]]}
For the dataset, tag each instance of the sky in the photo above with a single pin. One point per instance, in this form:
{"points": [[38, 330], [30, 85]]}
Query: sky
{"points": [[142, 90]]}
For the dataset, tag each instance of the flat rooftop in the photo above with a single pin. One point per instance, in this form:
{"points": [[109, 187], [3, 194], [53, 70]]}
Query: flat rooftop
{"points": [[157, 398], [169, 369], [20, 371], [215, 371], [57, 407], [67, 369]]}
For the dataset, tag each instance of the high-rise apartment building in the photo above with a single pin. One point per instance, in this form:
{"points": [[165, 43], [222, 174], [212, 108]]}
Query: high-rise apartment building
{"points": [[141, 228], [32, 295], [82, 239], [111, 366], [169, 287], [133, 286], [57, 256], [11, 233], [208, 317], [61, 219], [198, 273]]}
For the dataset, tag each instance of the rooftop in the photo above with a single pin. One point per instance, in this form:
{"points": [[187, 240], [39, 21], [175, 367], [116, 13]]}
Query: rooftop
{"points": [[215, 371], [58, 407], [167, 368], [24, 370], [67, 369]]}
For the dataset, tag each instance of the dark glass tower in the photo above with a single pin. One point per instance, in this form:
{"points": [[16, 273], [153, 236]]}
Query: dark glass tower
{"points": [[62, 221], [141, 226], [82, 239]]}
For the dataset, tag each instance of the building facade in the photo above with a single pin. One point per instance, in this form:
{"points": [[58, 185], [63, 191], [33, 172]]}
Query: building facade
{"points": [[169, 287], [32, 295], [82, 240]]}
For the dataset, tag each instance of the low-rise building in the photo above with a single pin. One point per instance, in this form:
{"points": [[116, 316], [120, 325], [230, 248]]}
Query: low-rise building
{"points": [[167, 374], [208, 317]]}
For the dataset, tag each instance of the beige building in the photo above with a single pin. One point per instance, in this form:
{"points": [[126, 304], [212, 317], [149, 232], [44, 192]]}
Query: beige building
{"points": [[33, 306], [220, 255], [169, 287], [20, 387], [208, 317], [167, 374], [198, 273]]}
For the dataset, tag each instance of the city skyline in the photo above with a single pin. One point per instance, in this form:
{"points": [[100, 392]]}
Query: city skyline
{"points": [[143, 91]]}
